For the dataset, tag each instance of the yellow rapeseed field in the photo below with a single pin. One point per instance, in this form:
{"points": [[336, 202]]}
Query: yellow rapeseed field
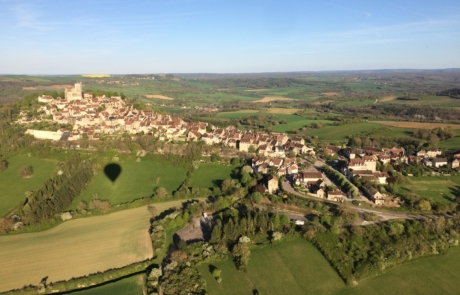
{"points": [[96, 76]]}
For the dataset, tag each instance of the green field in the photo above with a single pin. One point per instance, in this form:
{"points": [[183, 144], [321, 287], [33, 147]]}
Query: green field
{"points": [[211, 175], [452, 144], [135, 181], [237, 114], [13, 187], [342, 132], [133, 285], [431, 275], [295, 122], [298, 268], [437, 188], [295, 267]]}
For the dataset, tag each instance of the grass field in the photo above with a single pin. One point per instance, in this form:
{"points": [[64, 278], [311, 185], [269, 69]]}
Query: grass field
{"points": [[295, 267], [135, 181], [237, 114], [298, 268], [133, 285], [211, 175], [417, 125], [452, 144], [437, 188], [295, 122], [426, 276], [13, 187], [342, 132], [77, 247]]}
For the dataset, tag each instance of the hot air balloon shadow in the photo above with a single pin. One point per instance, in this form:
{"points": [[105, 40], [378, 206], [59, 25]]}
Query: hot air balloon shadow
{"points": [[112, 171]]}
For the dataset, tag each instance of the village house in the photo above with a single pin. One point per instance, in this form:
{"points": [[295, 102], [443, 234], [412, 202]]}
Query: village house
{"points": [[320, 193], [439, 162], [306, 178], [381, 177], [429, 153], [272, 184], [336, 196], [455, 164], [375, 196]]}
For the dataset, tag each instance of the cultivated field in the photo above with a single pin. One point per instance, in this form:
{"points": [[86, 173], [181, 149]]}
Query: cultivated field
{"points": [[387, 98], [331, 94], [135, 181], [13, 187], [46, 88], [158, 96], [417, 125], [256, 90], [211, 175], [274, 98], [77, 247], [130, 286], [289, 111], [96, 76]]}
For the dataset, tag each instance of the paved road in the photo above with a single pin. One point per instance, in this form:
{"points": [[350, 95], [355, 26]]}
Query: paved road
{"points": [[385, 215]]}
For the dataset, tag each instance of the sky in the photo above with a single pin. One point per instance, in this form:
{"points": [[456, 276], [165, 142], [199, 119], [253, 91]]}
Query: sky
{"points": [[218, 36]]}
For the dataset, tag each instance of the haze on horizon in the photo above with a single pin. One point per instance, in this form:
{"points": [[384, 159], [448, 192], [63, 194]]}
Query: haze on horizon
{"points": [[190, 36]]}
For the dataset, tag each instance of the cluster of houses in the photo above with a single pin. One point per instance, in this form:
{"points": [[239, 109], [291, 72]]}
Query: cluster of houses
{"points": [[92, 116], [312, 180], [432, 158]]}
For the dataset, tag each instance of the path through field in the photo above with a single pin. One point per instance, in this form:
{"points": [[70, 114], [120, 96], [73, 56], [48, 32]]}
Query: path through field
{"points": [[77, 247]]}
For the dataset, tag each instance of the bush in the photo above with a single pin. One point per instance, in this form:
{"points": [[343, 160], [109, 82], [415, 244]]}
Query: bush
{"points": [[3, 165], [26, 171], [102, 206]]}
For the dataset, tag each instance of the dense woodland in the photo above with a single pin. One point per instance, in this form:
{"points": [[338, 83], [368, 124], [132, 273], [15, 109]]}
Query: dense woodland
{"points": [[454, 93]]}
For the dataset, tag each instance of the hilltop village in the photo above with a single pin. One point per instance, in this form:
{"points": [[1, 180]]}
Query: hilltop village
{"points": [[92, 117]]}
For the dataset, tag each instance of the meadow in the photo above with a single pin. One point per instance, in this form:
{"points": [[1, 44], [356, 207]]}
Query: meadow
{"points": [[295, 267], [130, 286], [135, 181], [211, 175], [77, 247], [295, 122], [342, 132], [13, 187], [437, 188], [417, 125], [298, 268]]}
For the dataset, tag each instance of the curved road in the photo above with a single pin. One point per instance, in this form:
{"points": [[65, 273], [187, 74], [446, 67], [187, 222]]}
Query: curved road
{"points": [[385, 215]]}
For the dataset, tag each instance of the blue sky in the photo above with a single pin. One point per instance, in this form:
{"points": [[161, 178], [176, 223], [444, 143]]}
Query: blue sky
{"points": [[191, 36]]}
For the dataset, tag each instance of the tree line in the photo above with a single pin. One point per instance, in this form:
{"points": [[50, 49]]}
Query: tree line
{"points": [[58, 192]]}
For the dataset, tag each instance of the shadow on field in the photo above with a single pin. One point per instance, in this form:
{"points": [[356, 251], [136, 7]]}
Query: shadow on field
{"points": [[112, 171]]}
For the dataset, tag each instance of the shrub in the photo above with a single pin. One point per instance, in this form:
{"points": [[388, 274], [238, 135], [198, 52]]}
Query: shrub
{"points": [[26, 171], [3, 165], [102, 206]]}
